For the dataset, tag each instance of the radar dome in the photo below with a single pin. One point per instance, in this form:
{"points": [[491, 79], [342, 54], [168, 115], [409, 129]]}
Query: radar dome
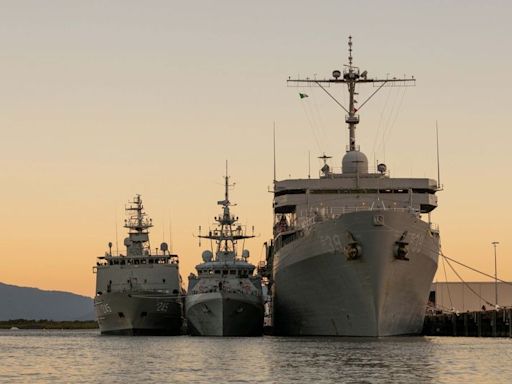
{"points": [[382, 168], [354, 162], [207, 256], [245, 254]]}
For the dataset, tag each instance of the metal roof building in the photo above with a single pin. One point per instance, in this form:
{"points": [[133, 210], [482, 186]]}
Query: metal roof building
{"points": [[470, 296]]}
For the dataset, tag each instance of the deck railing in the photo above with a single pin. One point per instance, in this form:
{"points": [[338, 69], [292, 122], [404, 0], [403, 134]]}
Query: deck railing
{"points": [[305, 221]]}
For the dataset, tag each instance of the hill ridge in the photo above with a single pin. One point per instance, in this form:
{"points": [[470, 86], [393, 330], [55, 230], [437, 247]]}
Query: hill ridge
{"points": [[30, 303]]}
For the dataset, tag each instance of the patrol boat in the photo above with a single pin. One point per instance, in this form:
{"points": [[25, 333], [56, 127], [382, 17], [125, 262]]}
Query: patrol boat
{"points": [[225, 297], [352, 252], [139, 293]]}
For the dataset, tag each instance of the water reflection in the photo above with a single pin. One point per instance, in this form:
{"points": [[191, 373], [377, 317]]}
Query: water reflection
{"points": [[84, 356], [354, 359]]}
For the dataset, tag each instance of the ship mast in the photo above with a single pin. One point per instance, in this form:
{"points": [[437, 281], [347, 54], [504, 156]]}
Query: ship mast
{"points": [[352, 119], [227, 233], [138, 225], [351, 77]]}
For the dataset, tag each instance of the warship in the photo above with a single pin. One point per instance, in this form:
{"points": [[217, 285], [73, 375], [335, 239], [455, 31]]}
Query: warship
{"points": [[353, 252], [139, 293], [225, 297]]}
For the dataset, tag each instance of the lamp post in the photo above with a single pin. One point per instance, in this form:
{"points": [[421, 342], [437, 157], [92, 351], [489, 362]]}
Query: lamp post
{"points": [[495, 243]]}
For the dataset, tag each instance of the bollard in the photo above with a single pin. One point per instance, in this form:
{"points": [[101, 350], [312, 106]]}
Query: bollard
{"points": [[479, 324], [510, 322]]}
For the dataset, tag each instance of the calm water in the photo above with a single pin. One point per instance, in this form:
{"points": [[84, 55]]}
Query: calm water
{"points": [[86, 357]]}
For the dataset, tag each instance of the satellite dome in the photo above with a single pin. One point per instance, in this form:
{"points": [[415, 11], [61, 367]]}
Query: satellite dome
{"points": [[245, 254], [354, 162], [207, 256]]}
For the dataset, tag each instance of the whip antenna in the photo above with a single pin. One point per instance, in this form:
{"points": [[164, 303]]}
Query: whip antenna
{"points": [[439, 187], [274, 143], [117, 241]]}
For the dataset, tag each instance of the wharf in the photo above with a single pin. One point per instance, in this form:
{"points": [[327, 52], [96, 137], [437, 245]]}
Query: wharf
{"points": [[493, 323]]}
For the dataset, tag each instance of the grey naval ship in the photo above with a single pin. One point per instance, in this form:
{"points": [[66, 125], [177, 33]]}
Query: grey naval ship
{"points": [[354, 252], [225, 298], [139, 293]]}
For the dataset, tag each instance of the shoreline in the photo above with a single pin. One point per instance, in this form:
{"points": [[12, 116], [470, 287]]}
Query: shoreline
{"points": [[48, 324]]}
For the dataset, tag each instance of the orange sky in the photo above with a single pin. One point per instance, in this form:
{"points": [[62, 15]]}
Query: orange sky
{"points": [[100, 101]]}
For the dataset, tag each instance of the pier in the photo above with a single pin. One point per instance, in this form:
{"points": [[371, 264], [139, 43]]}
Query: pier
{"points": [[492, 323]]}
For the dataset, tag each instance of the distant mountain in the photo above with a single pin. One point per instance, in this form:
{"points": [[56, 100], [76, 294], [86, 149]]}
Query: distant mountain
{"points": [[35, 304]]}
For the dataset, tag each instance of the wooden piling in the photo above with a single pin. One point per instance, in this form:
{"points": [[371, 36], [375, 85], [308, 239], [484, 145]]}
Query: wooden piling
{"points": [[495, 323]]}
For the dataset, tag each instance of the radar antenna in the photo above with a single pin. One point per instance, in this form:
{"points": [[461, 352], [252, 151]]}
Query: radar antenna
{"points": [[325, 169], [324, 157]]}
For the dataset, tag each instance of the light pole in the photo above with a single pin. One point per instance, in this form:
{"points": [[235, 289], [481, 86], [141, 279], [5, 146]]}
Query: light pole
{"points": [[495, 243]]}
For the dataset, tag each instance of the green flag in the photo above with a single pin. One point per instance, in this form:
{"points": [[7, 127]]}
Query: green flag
{"points": [[303, 95]]}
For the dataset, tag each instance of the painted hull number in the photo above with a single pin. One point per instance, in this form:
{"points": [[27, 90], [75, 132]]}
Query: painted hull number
{"points": [[162, 306], [105, 308], [331, 243]]}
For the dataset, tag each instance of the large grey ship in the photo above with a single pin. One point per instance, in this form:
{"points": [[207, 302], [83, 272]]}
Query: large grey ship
{"points": [[139, 293], [354, 252], [225, 297]]}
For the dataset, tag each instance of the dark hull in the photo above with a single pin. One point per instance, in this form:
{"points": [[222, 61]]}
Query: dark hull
{"points": [[224, 314], [121, 313]]}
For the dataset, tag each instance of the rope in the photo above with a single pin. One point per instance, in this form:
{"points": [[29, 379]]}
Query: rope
{"points": [[319, 121], [398, 110], [311, 125], [446, 279], [381, 124], [475, 270], [466, 285], [392, 117]]}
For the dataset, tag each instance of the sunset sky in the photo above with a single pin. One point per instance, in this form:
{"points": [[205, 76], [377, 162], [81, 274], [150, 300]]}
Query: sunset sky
{"points": [[101, 100]]}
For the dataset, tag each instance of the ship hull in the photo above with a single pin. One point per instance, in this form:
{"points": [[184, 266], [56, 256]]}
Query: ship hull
{"points": [[224, 314], [123, 313], [319, 291]]}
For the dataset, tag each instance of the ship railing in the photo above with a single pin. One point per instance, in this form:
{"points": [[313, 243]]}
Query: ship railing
{"points": [[434, 227], [155, 295], [124, 261], [330, 213], [229, 290], [338, 211]]}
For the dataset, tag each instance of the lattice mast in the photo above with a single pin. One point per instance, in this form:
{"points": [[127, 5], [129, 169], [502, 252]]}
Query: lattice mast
{"points": [[227, 233], [138, 225]]}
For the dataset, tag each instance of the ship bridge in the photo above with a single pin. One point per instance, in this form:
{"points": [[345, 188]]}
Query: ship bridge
{"points": [[353, 189], [306, 194]]}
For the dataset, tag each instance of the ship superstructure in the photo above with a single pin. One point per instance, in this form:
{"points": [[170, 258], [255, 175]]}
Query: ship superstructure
{"points": [[225, 297], [352, 254], [139, 293]]}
